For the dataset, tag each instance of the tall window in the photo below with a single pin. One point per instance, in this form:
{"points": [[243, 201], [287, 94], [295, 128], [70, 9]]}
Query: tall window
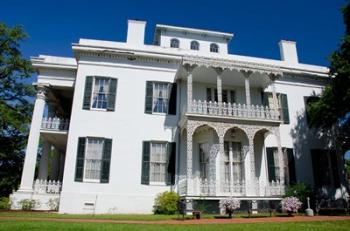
{"points": [[195, 45], [93, 159], [174, 43], [273, 164], [308, 100], [237, 161], [228, 96], [100, 93], [282, 104], [160, 97], [214, 48], [158, 162], [204, 160]]}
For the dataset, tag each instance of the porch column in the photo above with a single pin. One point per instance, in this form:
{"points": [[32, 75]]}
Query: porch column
{"points": [[189, 158], [274, 95], [33, 140], [247, 86], [255, 187], [189, 69], [220, 178], [230, 157], [280, 155], [44, 160], [219, 71]]}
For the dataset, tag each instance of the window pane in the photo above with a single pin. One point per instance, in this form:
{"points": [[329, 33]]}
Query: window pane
{"points": [[160, 97], [158, 162], [100, 93], [93, 159]]}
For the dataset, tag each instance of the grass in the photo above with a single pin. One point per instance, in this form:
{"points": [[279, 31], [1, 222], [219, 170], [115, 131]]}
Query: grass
{"points": [[134, 217], [70, 226]]}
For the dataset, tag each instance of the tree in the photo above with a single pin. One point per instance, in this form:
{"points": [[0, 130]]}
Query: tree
{"points": [[15, 106], [332, 111]]}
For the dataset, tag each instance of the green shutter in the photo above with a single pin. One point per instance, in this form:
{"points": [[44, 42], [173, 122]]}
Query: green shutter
{"points": [[149, 97], [209, 95], [79, 165], [171, 163], [271, 164], [172, 99], [145, 162], [291, 166], [87, 92], [106, 160], [284, 108], [112, 94], [265, 98]]}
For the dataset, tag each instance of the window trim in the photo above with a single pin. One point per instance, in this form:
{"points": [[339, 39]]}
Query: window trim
{"points": [[214, 48], [175, 40], [159, 183], [197, 44], [84, 179], [168, 97]]}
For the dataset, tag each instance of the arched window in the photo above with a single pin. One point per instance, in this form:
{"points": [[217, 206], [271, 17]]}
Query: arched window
{"points": [[175, 43], [195, 45], [214, 48]]}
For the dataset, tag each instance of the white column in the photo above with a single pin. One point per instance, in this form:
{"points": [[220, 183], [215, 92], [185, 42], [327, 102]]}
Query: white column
{"points": [[33, 140], [280, 155], [274, 94], [247, 87], [189, 163], [44, 160], [230, 157], [189, 70]]}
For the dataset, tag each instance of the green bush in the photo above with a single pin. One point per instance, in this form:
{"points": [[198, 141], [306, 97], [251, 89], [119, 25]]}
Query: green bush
{"points": [[53, 204], [301, 191], [166, 203], [5, 203], [28, 204]]}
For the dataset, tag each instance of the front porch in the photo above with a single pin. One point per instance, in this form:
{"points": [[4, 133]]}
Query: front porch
{"points": [[227, 158]]}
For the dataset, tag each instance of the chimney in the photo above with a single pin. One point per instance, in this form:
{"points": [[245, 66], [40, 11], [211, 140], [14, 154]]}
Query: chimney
{"points": [[136, 32], [288, 51]]}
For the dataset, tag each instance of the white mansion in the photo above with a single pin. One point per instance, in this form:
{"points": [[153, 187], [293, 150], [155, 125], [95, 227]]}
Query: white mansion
{"points": [[123, 121]]}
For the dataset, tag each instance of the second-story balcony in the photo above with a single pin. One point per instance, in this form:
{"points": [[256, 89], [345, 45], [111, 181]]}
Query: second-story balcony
{"points": [[55, 124], [233, 110]]}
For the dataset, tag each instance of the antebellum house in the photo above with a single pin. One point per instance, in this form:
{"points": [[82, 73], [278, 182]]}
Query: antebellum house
{"points": [[123, 121]]}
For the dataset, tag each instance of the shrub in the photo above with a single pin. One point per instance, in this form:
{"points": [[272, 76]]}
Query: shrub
{"points": [[291, 204], [53, 203], [166, 203], [299, 190], [28, 204], [229, 205], [5, 203]]}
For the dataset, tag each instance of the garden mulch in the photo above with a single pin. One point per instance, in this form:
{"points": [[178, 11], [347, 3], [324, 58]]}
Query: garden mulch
{"points": [[187, 221]]}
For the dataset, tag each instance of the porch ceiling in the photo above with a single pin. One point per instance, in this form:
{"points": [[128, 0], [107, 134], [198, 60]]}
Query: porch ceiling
{"points": [[57, 139], [208, 75]]}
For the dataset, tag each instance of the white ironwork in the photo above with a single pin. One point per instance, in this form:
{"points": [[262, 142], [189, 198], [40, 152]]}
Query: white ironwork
{"points": [[47, 187], [182, 186], [237, 188], [55, 123], [233, 110]]}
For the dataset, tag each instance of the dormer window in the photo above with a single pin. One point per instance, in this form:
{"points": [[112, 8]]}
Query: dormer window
{"points": [[195, 45], [214, 48], [174, 43]]}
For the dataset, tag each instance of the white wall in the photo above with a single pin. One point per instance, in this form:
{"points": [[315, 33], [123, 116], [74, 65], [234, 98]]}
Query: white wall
{"points": [[185, 41], [128, 126]]}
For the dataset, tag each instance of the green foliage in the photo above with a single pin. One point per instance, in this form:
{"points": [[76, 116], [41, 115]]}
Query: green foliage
{"points": [[332, 110], [347, 164], [28, 204], [5, 203], [299, 190], [15, 106], [53, 204], [166, 203]]}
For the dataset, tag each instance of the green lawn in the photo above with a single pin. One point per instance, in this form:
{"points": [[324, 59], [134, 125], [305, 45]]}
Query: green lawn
{"points": [[134, 217], [60, 226]]}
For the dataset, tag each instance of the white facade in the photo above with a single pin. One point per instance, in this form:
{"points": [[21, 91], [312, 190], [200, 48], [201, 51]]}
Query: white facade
{"points": [[233, 129]]}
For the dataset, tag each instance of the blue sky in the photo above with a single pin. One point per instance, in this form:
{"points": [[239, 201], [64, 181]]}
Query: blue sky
{"points": [[258, 26]]}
